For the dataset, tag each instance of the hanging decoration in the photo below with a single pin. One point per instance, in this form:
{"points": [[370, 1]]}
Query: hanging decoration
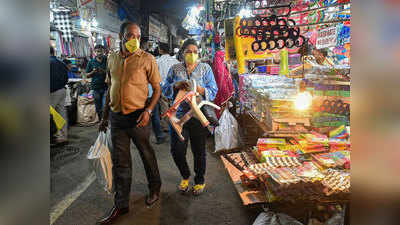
{"points": [[284, 62], [271, 32], [62, 21], [192, 19]]}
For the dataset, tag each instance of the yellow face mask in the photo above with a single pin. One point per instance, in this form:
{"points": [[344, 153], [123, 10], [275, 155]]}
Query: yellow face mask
{"points": [[132, 45], [191, 58]]}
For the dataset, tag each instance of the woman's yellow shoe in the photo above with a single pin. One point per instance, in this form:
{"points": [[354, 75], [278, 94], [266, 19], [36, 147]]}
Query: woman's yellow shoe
{"points": [[198, 189], [184, 185]]}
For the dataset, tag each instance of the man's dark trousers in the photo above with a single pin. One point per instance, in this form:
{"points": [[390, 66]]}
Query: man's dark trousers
{"points": [[123, 130], [99, 100]]}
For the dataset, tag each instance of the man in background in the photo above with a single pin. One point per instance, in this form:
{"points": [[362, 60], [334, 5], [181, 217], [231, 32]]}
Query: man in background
{"points": [[165, 62], [96, 69], [58, 80]]}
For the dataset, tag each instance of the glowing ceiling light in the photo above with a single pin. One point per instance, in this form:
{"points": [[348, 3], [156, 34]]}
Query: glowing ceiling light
{"points": [[244, 13]]}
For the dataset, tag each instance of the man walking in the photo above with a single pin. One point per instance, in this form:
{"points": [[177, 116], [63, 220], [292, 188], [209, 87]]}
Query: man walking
{"points": [[96, 69], [129, 73], [58, 80], [165, 62]]}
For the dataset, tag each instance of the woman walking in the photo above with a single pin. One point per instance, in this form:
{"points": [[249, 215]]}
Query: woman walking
{"points": [[178, 79]]}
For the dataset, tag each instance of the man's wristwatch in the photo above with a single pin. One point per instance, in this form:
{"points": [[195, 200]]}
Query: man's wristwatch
{"points": [[149, 111]]}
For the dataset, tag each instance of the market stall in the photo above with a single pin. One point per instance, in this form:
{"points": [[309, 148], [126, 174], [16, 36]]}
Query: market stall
{"points": [[294, 105]]}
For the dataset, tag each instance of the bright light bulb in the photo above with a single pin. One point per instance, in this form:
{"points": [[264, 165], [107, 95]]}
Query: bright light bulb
{"points": [[303, 101], [244, 13]]}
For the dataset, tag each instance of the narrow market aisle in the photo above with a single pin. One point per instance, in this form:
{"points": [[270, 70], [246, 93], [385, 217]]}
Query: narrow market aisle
{"points": [[219, 205]]}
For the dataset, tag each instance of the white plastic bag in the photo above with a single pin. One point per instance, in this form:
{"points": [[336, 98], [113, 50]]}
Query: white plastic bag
{"points": [[100, 157], [271, 218], [227, 133]]}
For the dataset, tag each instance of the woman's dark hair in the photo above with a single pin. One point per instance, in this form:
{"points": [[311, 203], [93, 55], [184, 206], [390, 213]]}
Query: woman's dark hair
{"points": [[188, 42]]}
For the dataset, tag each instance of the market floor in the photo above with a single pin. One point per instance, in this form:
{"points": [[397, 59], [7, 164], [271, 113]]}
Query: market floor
{"points": [[78, 199]]}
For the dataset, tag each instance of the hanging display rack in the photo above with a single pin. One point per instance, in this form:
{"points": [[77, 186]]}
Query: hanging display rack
{"points": [[324, 22], [319, 8]]}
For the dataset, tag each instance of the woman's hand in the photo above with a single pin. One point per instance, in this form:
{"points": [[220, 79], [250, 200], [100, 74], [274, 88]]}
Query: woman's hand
{"points": [[201, 90]]}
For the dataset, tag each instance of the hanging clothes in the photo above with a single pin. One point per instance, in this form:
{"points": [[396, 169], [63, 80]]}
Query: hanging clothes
{"points": [[223, 79]]}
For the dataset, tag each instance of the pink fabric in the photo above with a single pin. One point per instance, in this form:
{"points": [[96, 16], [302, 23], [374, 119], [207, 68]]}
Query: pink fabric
{"points": [[223, 79]]}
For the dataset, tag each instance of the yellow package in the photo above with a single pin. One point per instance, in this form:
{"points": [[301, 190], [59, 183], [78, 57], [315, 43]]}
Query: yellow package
{"points": [[58, 119]]}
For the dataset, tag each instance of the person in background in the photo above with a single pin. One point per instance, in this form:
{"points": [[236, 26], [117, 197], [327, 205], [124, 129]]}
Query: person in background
{"points": [[68, 63], [58, 80], [176, 51], [129, 72], [165, 62], [155, 116], [82, 68], [96, 69], [177, 79], [223, 79]]}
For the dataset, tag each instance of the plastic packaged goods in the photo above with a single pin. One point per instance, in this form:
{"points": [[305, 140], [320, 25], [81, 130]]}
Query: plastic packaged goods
{"points": [[336, 181], [283, 175], [309, 171]]}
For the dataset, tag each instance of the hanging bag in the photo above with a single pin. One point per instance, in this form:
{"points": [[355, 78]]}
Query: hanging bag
{"points": [[99, 156], [227, 133]]}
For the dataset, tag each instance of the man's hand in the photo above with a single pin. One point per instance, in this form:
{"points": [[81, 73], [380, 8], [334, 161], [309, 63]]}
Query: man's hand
{"points": [[182, 85], [103, 125], [143, 119]]}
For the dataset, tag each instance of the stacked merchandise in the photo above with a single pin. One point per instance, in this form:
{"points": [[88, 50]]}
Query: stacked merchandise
{"points": [[287, 172]]}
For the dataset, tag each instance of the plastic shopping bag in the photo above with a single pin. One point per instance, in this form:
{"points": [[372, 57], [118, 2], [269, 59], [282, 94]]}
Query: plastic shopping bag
{"points": [[100, 157], [271, 218], [227, 133]]}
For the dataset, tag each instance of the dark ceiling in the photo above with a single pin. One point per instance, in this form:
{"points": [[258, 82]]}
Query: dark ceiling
{"points": [[175, 8]]}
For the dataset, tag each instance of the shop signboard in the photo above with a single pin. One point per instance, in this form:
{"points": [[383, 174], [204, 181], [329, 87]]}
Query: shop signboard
{"points": [[154, 27], [326, 38], [107, 15], [230, 53], [87, 9], [163, 33]]}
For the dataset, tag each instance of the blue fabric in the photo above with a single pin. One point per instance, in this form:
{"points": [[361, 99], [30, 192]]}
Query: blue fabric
{"points": [[58, 74], [71, 74], [150, 91], [98, 79], [204, 77]]}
